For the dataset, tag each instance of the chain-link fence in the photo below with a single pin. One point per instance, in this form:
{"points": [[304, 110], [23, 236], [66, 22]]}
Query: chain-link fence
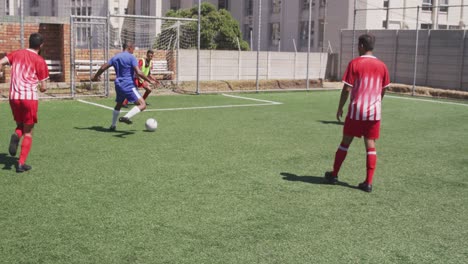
{"points": [[422, 45], [277, 48]]}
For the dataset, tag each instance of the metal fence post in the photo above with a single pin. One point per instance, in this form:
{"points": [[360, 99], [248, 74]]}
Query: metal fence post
{"points": [[198, 47], [308, 45], [416, 52], [258, 42]]}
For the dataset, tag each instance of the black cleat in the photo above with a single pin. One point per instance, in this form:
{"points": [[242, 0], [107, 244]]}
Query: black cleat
{"points": [[112, 128], [23, 168], [365, 187], [125, 106], [329, 178], [125, 120], [14, 140]]}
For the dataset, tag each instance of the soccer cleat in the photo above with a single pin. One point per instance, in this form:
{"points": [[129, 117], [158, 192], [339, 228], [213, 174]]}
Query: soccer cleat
{"points": [[125, 120], [365, 187], [112, 128], [23, 168], [125, 106], [14, 140], [329, 178]]}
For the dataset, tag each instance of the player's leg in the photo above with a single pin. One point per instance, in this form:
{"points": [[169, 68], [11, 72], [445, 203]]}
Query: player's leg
{"points": [[340, 155], [29, 109], [133, 96], [371, 134], [15, 138], [120, 98], [18, 114], [25, 148], [148, 90]]}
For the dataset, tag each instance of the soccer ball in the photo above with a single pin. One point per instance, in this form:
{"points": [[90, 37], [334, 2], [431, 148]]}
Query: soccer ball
{"points": [[151, 124]]}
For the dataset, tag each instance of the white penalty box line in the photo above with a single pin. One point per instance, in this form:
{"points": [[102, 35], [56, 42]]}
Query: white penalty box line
{"points": [[263, 103]]}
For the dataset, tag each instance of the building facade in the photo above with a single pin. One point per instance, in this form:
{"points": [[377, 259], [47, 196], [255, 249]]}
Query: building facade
{"points": [[284, 24]]}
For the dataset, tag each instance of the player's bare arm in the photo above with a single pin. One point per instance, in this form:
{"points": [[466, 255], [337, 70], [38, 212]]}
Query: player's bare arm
{"points": [[344, 97], [103, 68], [142, 75], [4, 61], [43, 86]]}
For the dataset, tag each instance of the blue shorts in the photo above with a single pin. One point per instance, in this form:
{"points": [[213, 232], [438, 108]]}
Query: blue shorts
{"points": [[132, 95]]}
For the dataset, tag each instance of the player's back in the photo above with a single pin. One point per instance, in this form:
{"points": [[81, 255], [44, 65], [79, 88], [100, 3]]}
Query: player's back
{"points": [[368, 76], [123, 64], [368, 66], [27, 69]]}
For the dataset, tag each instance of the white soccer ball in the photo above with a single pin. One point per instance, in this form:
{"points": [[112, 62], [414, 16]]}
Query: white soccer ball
{"points": [[151, 124]]}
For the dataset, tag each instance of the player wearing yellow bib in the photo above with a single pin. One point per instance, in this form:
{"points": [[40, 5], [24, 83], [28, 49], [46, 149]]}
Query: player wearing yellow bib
{"points": [[145, 65]]}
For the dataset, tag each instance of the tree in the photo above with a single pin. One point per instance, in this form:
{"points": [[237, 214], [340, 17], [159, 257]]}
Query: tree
{"points": [[219, 30]]}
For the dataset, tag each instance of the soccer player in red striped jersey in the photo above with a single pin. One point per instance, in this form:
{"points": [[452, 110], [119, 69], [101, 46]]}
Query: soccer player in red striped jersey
{"points": [[28, 71], [365, 81]]}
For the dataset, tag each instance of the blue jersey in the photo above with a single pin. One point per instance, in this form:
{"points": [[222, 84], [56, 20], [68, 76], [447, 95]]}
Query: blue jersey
{"points": [[124, 64]]}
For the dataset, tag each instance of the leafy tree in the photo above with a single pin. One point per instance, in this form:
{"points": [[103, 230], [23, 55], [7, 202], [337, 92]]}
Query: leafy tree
{"points": [[219, 30]]}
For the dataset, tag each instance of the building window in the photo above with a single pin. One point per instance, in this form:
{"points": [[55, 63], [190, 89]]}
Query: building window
{"points": [[276, 6], [275, 33], [305, 4], [223, 4], [384, 24], [443, 6], [427, 5], [249, 7], [7, 7], [426, 26], [304, 36], [247, 31], [385, 3], [442, 26], [454, 27], [34, 3], [175, 4], [323, 3], [116, 10]]}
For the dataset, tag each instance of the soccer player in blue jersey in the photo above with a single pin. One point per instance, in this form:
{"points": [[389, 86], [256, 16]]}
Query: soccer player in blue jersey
{"points": [[126, 68]]}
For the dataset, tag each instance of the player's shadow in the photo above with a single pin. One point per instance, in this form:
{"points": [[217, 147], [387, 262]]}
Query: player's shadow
{"points": [[328, 122], [7, 161], [116, 133], [311, 179]]}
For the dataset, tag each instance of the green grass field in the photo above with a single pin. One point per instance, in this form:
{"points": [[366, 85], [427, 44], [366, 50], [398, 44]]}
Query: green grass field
{"points": [[232, 180]]}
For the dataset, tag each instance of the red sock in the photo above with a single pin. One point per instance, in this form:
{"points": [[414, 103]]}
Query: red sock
{"points": [[146, 94], [25, 148], [370, 165], [19, 131], [340, 156]]}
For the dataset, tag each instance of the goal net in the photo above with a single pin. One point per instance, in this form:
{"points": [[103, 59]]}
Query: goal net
{"points": [[164, 36]]}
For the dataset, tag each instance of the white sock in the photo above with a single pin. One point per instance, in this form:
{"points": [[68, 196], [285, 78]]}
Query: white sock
{"points": [[135, 110], [115, 116]]}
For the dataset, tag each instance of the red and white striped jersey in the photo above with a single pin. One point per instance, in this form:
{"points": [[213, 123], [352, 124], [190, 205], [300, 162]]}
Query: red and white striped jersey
{"points": [[367, 76], [27, 70]]}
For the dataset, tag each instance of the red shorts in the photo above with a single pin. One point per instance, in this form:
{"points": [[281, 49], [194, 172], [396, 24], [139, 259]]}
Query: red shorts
{"points": [[140, 84], [359, 128], [24, 111]]}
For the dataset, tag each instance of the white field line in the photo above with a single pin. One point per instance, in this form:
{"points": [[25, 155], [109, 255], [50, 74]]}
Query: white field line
{"points": [[425, 100], [98, 105], [196, 107], [253, 99]]}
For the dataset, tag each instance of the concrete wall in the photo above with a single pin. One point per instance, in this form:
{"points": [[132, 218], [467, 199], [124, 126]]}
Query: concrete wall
{"points": [[235, 65], [442, 57]]}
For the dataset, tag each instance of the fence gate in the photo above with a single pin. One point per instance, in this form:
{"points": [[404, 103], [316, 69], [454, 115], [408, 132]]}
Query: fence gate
{"points": [[88, 51]]}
